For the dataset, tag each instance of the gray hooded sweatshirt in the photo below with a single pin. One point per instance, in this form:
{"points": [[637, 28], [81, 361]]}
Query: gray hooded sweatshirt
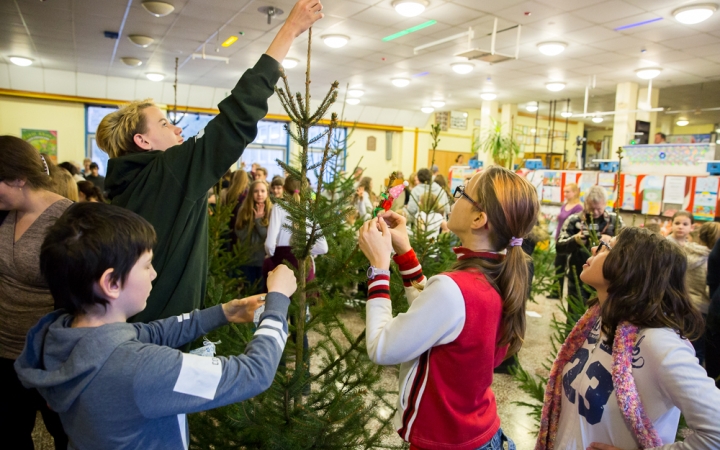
{"points": [[123, 386]]}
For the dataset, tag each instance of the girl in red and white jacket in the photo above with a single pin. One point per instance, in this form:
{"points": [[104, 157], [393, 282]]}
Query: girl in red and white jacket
{"points": [[461, 324]]}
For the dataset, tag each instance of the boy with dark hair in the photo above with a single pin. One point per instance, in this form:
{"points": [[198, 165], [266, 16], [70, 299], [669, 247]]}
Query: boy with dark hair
{"points": [[95, 178], [119, 385]]}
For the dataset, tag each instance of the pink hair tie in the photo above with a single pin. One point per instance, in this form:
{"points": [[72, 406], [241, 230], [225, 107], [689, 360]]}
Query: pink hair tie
{"points": [[515, 241], [297, 191]]}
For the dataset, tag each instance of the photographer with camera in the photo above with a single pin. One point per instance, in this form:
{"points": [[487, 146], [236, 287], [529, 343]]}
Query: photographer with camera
{"points": [[576, 233]]}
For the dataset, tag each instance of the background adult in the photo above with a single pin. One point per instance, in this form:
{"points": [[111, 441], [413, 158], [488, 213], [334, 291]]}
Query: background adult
{"points": [[30, 208], [95, 178], [426, 186], [576, 236], [571, 206], [88, 192]]}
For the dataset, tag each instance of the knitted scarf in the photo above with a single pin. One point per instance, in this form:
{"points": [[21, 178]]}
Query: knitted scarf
{"points": [[626, 392]]}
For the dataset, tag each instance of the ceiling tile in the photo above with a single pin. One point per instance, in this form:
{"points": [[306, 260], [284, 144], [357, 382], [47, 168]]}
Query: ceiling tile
{"points": [[607, 11], [89, 85], [673, 31], [26, 78], [120, 88], [570, 5], [591, 35], [518, 13], [691, 41], [4, 76], [60, 82]]}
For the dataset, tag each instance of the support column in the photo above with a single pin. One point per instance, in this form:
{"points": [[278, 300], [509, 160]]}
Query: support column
{"points": [[651, 117], [488, 118], [626, 98]]}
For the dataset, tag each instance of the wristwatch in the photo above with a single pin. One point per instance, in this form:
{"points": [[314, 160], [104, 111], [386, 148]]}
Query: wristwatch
{"points": [[372, 272]]}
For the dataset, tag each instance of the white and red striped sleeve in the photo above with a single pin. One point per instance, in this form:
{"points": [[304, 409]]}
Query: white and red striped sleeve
{"points": [[410, 271], [379, 287]]}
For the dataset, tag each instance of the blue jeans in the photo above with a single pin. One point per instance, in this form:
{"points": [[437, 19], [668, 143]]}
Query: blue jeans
{"points": [[498, 442]]}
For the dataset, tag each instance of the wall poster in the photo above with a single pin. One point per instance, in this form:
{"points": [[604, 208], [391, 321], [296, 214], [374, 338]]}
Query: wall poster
{"points": [[629, 187], [706, 195], [45, 141], [652, 195], [674, 191]]}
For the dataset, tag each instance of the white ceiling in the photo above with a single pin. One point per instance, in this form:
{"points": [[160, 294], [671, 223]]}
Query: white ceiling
{"points": [[68, 35]]}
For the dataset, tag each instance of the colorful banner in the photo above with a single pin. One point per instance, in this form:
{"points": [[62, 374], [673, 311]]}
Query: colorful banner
{"points": [[706, 194], [629, 188], [45, 141], [652, 195], [669, 154]]}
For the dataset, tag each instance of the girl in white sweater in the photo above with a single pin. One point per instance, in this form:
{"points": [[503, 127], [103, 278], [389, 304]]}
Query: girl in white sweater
{"points": [[627, 371]]}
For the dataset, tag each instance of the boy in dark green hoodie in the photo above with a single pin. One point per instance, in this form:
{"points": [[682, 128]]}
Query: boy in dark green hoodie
{"points": [[165, 180]]}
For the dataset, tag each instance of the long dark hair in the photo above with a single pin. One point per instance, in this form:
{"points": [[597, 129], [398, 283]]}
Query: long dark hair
{"points": [[21, 161], [512, 206], [646, 285]]}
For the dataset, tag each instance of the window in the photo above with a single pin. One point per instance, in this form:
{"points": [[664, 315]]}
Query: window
{"points": [[93, 116], [316, 151], [191, 123], [270, 144]]}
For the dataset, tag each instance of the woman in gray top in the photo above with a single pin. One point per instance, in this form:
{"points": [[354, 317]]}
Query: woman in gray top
{"points": [[29, 208], [251, 229]]}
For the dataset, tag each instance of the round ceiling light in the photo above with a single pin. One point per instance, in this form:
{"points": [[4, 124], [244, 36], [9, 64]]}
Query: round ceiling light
{"points": [[290, 63], [462, 68], [531, 107], [437, 103], [140, 40], [489, 96], [555, 86], [648, 73], [410, 8], [335, 40], [682, 122], [551, 48], [566, 114], [352, 101], [21, 61], [693, 14], [400, 82], [357, 93], [427, 109], [132, 62], [597, 119], [155, 76], [158, 9]]}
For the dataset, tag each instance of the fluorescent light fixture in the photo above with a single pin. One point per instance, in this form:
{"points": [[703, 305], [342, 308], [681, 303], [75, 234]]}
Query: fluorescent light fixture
{"points": [[555, 86], [290, 63], [409, 30], [132, 62], [462, 68], [155, 76], [597, 119], [437, 103], [357, 93], [427, 109], [335, 40], [352, 101], [566, 114], [229, 41], [682, 122], [532, 107], [551, 48], [410, 8], [693, 14], [225, 59], [21, 61], [158, 9], [533, 131], [488, 96], [648, 73], [638, 24], [140, 40], [400, 82]]}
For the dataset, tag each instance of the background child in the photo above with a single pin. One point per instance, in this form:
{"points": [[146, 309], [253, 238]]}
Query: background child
{"points": [[121, 385], [276, 186], [251, 229], [681, 227], [430, 217]]}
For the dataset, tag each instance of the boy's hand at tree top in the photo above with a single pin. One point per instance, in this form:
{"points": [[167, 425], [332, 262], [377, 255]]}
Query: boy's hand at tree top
{"points": [[303, 15], [243, 310]]}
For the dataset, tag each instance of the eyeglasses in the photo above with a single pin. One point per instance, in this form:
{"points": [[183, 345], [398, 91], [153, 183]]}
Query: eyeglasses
{"points": [[460, 192], [602, 244]]}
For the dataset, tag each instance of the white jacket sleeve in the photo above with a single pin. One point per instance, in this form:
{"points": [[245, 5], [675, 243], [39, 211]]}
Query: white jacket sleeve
{"points": [[686, 384], [435, 317], [277, 216]]}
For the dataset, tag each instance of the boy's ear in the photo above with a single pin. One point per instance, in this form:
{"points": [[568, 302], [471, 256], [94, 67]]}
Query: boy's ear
{"points": [[107, 287], [141, 142]]}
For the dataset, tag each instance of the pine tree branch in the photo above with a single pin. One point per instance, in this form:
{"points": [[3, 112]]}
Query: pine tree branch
{"points": [[352, 348]]}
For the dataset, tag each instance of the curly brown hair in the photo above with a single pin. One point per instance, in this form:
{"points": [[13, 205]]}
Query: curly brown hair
{"points": [[646, 285]]}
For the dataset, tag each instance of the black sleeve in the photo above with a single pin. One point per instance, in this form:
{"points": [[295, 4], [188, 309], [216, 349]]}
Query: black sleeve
{"points": [[713, 269], [201, 161]]}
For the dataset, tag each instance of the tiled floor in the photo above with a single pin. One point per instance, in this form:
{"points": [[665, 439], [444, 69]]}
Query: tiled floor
{"points": [[515, 421]]}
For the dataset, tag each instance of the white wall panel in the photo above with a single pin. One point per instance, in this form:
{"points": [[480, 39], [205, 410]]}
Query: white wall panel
{"points": [[60, 82]]}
